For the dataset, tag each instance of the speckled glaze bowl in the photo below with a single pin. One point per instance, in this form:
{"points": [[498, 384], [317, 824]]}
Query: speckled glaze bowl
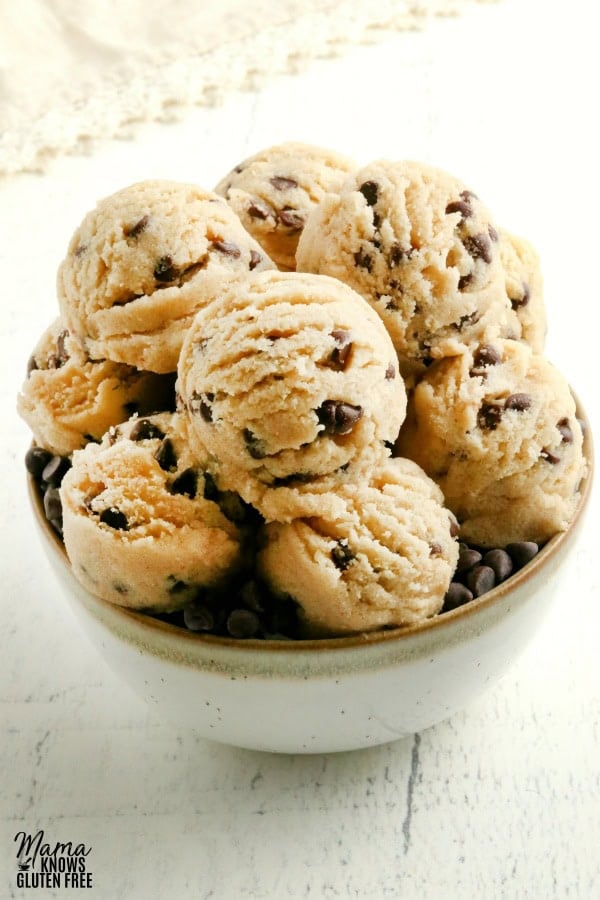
{"points": [[322, 695]]}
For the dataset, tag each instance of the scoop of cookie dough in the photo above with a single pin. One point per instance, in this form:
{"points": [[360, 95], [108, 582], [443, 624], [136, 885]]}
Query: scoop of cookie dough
{"points": [[496, 428], [143, 262], [68, 400], [274, 191], [288, 377], [379, 552], [142, 524], [524, 288], [421, 248]]}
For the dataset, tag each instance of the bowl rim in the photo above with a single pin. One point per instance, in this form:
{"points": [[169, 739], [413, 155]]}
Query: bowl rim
{"points": [[359, 640]]}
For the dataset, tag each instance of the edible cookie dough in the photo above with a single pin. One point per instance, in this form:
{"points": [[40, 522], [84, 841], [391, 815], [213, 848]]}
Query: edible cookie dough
{"points": [[274, 191], [379, 553], [287, 377], [68, 400], [143, 262], [142, 522], [496, 428], [422, 249], [524, 288]]}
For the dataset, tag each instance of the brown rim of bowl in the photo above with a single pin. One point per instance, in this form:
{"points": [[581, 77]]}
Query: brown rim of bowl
{"points": [[362, 639]]}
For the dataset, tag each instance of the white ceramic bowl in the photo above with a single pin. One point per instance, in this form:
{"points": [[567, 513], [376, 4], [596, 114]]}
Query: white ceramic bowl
{"points": [[323, 695]]}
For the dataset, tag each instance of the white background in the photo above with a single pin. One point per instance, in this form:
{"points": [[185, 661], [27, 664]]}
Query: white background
{"points": [[503, 799]]}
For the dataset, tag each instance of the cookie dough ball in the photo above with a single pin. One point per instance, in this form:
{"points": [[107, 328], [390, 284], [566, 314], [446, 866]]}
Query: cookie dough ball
{"points": [[289, 376], [379, 553], [496, 428], [68, 400], [421, 248], [142, 525], [143, 262], [524, 288], [274, 191]]}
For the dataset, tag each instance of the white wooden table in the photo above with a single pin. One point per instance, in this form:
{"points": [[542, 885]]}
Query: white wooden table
{"points": [[503, 799]]}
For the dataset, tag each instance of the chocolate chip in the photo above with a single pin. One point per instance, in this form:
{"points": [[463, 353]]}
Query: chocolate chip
{"points": [[198, 618], [518, 402], [480, 580], [464, 281], [166, 456], [36, 460], [342, 555], [492, 233], [52, 504], [211, 492], [467, 559], [500, 561], [467, 319], [523, 300], [338, 417], [435, 549], [258, 209], [363, 260], [233, 507], [456, 595], [120, 588], [135, 230], [522, 552], [550, 457], [254, 445], [145, 430], [55, 470], [565, 430], [281, 183], [489, 416], [114, 518], [255, 258], [338, 357], [454, 527], [397, 254], [204, 406], [164, 270], [185, 483], [227, 248], [484, 356], [390, 372], [242, 623], [479, 246], [370, 191], [291, 219], [468, 196], [62, 354], [460, 206], [31, 365], [80, 250]]}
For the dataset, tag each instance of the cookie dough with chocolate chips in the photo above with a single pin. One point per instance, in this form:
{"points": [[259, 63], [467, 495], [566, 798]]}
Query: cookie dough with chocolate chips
{"points": [[524, 288], [378, 553], [68, 400], [143, 523], [143, 262], [288, 377], [422, 249], [496, 428], [274, 191]]}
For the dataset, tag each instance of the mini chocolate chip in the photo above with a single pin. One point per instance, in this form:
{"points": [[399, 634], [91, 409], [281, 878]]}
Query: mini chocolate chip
{"points": [[467, 319], [145, 430], [489, 416], [480, 580], [164, 270], [227, 248], [282, 183], [120, 588], [255, 258], [390, 372], [522, 552], [492, 233], [340, 353], [166, 456], [342, 555], [550, 457], [55, 470], [198, 618], [523, 300], [435, 549], [254, 445], [114, 518], [31, 365], [291, 219], [460, 206], [80, 250], [500, 561], [52, 504], [211, 492], [518, 402], [479, 246], [36, 460], [370, 191], [363, 260], [135, 230], [397, 254], [258, 209], [464, 281], [185, 483], [467, 559], [456, 595], [242, 623], [338, 417], [565, 430], [205, 406], [62, 354], [468, 196]]}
